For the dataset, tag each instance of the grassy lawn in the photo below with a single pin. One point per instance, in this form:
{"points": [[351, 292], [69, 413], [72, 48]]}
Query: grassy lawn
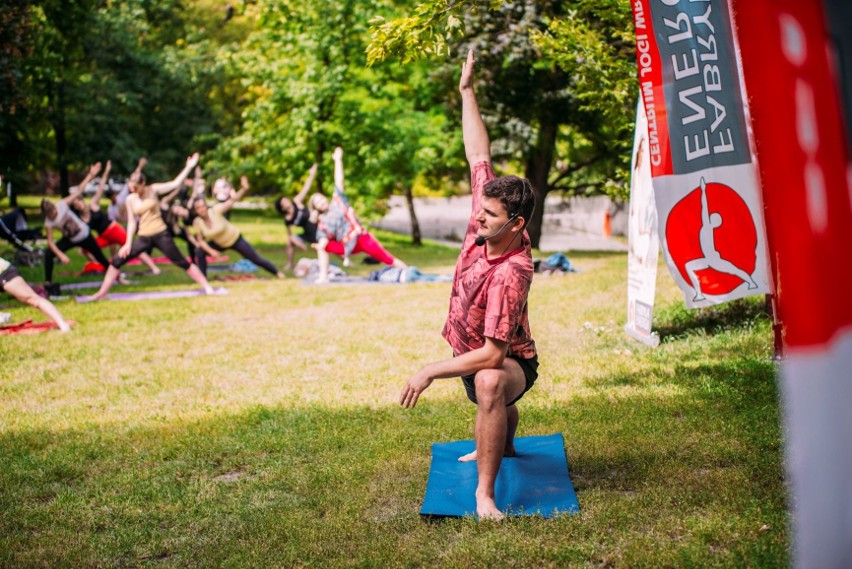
{"points": [[261, 428]]}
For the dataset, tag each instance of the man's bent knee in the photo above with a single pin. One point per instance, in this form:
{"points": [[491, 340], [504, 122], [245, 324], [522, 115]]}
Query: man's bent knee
{"points": [[490, 387]]}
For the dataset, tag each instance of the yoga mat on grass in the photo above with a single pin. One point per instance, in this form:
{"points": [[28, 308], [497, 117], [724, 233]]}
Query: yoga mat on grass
{"points": [[30, 327], [535, 482], [235, 278], [154, 294], [166, 260], [90, 284]]}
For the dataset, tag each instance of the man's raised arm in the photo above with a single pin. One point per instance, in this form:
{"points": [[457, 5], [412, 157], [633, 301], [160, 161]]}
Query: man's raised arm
{"points": [[477, 147]]}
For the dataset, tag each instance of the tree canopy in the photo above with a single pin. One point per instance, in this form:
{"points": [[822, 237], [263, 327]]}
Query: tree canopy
{"points": [[267, 87]]}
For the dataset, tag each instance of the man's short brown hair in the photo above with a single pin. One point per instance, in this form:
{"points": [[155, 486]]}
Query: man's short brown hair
{"points": [[516, 194]]}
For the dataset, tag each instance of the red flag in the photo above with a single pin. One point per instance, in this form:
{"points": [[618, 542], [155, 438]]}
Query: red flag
{"points": [[798, 122]]}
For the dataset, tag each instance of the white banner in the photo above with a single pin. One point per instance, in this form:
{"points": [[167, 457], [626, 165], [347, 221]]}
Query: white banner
{"points": [[643, 243]]}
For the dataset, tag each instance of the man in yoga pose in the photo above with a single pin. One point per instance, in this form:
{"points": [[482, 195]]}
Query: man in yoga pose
{"points": [[711, 258], [488, 325]]}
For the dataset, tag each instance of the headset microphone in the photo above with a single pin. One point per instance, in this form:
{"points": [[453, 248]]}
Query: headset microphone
{"points": [[480, 241]]}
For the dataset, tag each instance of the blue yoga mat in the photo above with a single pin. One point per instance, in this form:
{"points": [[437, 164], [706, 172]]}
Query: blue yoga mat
{"points": [[535, 482]]}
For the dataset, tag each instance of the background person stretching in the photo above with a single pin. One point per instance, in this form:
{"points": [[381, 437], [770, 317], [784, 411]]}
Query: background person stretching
{"points": [[12, 282], [339, 228], [214, 233], [295, 213], [110, 232], [488, 325], [144, 203], [75, 232]]}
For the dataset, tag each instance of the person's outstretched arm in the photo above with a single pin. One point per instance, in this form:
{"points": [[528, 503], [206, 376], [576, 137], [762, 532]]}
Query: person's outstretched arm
{"points": [[166, 187], [705, 209], [51, 244], [81, 187], [140, 165], [124, 250], [166, 200], [198, 183], [95, 202], [489, 356], [337, 156], [477, 147], [300, 197], [244, 188]]}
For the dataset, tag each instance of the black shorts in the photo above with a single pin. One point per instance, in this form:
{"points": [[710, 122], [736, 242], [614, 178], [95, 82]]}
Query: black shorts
{"points": [[8, 275], [529, 367]]}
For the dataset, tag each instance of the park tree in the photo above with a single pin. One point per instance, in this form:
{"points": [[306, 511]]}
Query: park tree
{"points": [[116, 79], [308, 89], [555, 81]]}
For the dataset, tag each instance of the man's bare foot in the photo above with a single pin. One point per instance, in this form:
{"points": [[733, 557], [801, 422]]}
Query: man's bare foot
{"points": [[471, 456], [487, 509]]}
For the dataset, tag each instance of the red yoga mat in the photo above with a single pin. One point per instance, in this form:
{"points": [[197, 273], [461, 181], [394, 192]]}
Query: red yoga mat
{"points": [[29, 327]]}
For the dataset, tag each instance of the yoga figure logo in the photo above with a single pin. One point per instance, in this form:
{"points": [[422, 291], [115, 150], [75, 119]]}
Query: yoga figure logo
{"points": [[713, 240]]}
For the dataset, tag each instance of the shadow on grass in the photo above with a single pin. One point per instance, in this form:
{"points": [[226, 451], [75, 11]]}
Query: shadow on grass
{"points": [[676, 320]]}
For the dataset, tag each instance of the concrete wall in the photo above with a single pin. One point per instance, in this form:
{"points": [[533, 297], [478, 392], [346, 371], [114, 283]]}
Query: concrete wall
{"points": [[568, 223]]}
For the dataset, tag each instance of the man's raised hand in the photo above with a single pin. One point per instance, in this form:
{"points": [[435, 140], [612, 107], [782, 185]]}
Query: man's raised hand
{"points": [[466, 81]]}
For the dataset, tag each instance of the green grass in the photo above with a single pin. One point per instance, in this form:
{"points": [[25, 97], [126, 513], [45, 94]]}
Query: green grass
{"points": [[261, 428]]}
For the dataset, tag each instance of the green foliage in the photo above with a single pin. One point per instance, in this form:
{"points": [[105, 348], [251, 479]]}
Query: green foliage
{"points": [[113, 80], [555, 83], [596, 46], [307, 90], [425, 33]]}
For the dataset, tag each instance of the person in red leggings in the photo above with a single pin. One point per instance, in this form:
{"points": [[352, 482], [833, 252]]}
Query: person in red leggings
{"points": [[339, 230]]}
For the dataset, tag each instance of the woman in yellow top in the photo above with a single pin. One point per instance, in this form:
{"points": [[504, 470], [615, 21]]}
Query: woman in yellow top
{"points": [[214, 233], [144, 203]]}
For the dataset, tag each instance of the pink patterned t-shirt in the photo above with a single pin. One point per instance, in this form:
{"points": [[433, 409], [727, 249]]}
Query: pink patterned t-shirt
{"points": [[489, 297]]}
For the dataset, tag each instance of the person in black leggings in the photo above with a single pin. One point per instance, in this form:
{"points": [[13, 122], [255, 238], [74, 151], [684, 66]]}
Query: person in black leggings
{"points": [[214, 233], [109, 232], [144, 202], [75, 232]]}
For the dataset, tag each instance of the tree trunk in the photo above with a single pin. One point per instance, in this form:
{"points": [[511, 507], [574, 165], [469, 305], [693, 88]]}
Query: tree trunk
{"points": [[416, 237], [537, 171], [318, 179], [57, 120]]}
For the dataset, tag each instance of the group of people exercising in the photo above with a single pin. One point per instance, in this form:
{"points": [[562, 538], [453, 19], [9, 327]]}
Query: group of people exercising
{"points": [[156, 214]]}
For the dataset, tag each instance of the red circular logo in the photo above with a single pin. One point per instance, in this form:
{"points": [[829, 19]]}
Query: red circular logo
{"points": [[733, 241]]}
